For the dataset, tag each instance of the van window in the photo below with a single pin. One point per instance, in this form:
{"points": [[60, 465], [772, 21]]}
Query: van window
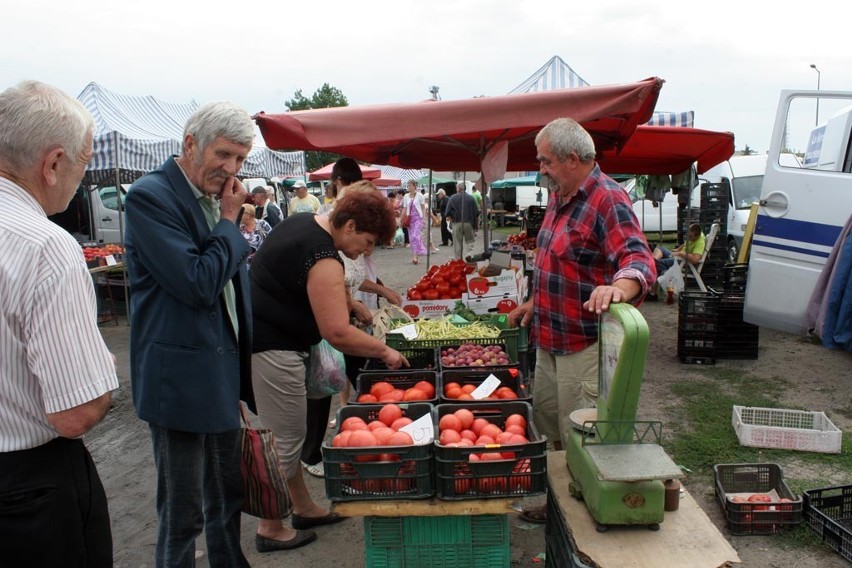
{"points": [[109, 197], [746, 190]]}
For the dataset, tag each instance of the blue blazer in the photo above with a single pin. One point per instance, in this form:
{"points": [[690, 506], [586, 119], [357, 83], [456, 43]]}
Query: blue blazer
{"points": [[188, 370]]}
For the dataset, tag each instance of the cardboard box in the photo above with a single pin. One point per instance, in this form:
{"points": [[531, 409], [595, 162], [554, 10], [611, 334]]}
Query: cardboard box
{"points": [[492, 304], [428, 309], [508, 281]]}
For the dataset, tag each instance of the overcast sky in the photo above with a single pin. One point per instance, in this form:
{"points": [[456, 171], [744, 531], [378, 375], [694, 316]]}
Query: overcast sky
{"points": [[726, 60]]}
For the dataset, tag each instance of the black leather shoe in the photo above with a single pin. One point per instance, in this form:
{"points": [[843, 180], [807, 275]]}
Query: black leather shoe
{"points": [[302, 538], [300, 523]]}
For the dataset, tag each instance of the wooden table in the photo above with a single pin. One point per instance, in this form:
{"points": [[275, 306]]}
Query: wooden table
{"points": [[104, 271], [687, 538], [424, 508]]}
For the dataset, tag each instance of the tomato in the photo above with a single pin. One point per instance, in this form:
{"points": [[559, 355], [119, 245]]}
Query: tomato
{"points": [[450, 422], [442, 288], [423, 285], [456, 279], [461, 486], [432, 270], [390, 413], [431, 294], [415, 295]]}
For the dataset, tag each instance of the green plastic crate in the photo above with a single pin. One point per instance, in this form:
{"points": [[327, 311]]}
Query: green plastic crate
{"points": [[508, 336], [475, 541]]}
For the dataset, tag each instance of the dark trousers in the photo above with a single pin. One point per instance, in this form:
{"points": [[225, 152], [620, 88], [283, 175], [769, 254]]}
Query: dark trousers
{"points": [[199, 486], [318, 413], [446, 234], [53, 509], [405, 234]]}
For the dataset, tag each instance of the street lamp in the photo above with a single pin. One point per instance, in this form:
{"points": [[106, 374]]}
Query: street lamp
{"points": [[814, 67]]}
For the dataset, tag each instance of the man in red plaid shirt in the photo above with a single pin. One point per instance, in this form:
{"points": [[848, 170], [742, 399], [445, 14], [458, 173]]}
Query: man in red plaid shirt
{"points": [[591, 253]]}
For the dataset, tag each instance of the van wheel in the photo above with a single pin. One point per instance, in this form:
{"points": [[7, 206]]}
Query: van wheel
{"points": [[733, 251]]}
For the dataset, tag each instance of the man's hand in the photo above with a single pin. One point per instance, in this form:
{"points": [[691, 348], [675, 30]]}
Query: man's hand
{"points": [[522, 315], [391, 296], [231, 199], [622, 290]]}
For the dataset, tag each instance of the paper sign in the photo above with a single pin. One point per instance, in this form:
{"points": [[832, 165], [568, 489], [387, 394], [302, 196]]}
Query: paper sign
{"points": [[408, 331], [110, 260], [488, 386], [422, 431]]}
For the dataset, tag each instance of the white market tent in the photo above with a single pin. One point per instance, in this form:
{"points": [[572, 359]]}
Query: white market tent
{"points": [[556, 74], [136, 134]]}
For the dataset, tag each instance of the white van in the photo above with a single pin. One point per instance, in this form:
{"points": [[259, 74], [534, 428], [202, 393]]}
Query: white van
{"points": [[744, 176], [802, 209]]}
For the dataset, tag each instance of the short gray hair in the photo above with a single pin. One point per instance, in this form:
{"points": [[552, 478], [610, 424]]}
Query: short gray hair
{"points": [[565, 136], [35, 117], [219, 118], [460, 186]]}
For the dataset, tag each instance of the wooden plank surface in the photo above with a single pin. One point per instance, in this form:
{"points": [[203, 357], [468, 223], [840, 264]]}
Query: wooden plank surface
{"points": [[687, 538], [424, 508]]}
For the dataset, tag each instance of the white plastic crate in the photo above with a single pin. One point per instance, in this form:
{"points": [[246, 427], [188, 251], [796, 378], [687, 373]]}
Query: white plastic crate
{"points": [[786, 429]]}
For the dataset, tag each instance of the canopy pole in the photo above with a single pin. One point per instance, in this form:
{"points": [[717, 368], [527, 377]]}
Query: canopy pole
{"points": [[428, 223], [120, 204]]}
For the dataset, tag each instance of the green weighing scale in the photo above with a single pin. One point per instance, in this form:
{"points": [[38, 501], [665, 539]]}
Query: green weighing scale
{"points": [[616, 461]]}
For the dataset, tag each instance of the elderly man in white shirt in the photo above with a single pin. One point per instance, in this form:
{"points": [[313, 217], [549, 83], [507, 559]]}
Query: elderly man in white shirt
{"points": [[57, 374]]}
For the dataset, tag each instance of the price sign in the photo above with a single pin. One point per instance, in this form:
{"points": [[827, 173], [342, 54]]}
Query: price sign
{"points": [[408, 331], [488, 386], [110, 260], [422, 431]]}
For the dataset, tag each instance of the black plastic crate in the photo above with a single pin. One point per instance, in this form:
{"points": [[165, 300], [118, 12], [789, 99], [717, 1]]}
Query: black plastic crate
{"points": [[418, 359], [698, 324], [736, 278], [398, 379], [524, 472], [697, 359], [747, 518], [696, 303], [355, 474], [710, 190], [511, 377], [828, 512], [558, 550]]}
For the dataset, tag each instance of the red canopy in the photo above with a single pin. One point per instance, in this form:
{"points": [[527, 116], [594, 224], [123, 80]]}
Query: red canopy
{"points": [[480, 134], [668, 150], [387, 182], [324, 172]]}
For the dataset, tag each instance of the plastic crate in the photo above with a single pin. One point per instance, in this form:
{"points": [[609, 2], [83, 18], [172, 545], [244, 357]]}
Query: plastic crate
{"points": [[756, 518], [347, 478], [784, 429], [695, 303], [455, 346], [418, 359], [558, 550], [736, 278], [399, 379], [828, 512], [508, 337], [458, 541], [524, 474], [510, 377]]}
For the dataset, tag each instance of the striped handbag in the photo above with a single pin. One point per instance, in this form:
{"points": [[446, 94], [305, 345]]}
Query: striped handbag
{"points": [[266, 494]]}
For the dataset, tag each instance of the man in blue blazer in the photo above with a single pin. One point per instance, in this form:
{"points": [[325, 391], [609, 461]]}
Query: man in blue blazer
{"points": [[190, 335]]}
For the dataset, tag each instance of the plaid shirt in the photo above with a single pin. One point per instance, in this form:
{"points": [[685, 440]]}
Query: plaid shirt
{"points": [[591, 240]]}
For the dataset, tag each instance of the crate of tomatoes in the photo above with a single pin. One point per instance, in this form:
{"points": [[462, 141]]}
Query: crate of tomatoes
{"points": [[379, 452], [488, 451], [755, 498], [476, 385], [396, 386]]}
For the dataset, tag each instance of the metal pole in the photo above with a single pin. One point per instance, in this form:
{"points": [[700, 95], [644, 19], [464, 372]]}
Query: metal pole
{"points": [[814, 67], [121, 227], [428, 223]]}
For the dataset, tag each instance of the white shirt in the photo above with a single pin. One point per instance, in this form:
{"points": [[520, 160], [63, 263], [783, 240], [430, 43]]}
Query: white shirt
{"points": [[52, 355]]}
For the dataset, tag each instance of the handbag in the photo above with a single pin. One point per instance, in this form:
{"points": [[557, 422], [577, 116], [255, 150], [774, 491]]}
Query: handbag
{"points": [[264, 483], [326, 371], [436, 221], [406, 217], [672, 278]]}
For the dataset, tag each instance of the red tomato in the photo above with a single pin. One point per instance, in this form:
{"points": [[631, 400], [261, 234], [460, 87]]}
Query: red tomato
{"points": [[415, 295], [422, 285], [442, 288], [430, 295]]}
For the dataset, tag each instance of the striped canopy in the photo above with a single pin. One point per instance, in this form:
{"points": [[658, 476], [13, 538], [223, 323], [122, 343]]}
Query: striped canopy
{"points": [[138, 134]]}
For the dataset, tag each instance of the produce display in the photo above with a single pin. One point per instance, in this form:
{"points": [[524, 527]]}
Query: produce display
{"points": [[444, 328], [456, 391], [95, 253], [442, 282], [384, 392], [462, 429], [472, 355], [522, 240]]}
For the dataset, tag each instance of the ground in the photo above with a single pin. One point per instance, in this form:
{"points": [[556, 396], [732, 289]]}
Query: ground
{"points": [[819, 381]]}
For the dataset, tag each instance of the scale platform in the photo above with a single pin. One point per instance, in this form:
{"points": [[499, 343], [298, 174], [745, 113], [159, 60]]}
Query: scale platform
{"points": [[632, 462]]}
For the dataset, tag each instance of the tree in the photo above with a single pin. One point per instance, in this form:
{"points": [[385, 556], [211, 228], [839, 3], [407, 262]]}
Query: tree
{"points": [[324, 97], [747, 151]]}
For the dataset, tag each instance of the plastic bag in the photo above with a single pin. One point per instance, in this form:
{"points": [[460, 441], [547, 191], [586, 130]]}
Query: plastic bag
{"points": [[399, 236], [326, 371], [672, 278], [383, 317]]}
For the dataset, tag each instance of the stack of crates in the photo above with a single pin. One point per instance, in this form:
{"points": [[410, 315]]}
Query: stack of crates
{"points": [[714, 209], [697, 329], [737, 339]]}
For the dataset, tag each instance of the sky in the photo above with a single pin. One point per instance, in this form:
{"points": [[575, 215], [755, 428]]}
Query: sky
{"points": [[726, 61]]}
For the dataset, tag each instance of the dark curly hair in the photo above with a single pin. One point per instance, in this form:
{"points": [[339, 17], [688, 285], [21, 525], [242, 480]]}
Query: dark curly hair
{"points": [[369, 208]]}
